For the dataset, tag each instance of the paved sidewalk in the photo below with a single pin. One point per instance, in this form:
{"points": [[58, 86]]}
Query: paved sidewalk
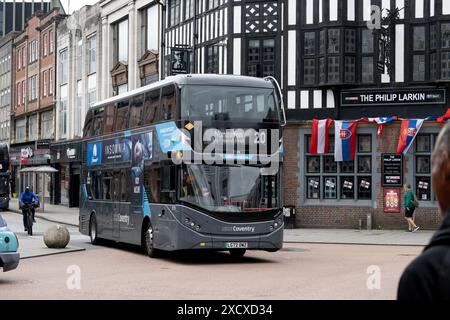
{"points": [[69, 216], [53, 213], [351, 236]]}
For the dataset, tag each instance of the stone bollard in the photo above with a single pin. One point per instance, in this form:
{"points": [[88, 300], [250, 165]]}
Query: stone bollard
{"points": [[57, 237]]}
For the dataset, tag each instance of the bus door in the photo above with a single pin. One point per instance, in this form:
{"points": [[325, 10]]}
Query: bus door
{"points": [[116, 206]]}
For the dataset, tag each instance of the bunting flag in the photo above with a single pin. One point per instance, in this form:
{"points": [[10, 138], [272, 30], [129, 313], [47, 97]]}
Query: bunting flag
{"points": [[408, 133], [444, 118], [319, 137], [345, 140], [382, 121]]}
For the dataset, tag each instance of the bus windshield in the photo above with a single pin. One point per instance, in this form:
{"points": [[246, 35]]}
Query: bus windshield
{"points": [[229, 104], [228, 188]]}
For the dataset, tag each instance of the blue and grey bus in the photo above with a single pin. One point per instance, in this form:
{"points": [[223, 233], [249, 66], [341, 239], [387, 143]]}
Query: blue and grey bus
{"points": [[139, 187]]}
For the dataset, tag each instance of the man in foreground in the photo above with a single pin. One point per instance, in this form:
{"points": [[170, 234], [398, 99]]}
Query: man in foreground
{"points": [[428, 276]]}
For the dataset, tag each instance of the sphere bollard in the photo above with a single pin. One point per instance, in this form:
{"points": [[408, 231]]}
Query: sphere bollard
{"points": [[57, 237]]}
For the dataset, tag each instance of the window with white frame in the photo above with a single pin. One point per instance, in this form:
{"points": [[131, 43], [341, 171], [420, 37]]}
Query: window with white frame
{"points": [[92, 90], [32, 49], [24, 92], [50, 82], [32, 128], [122, 41], [63, 66], [77, 109], [51, 41], [79, 58], [45, 43], [63, 111], [24, 57], [47, 125], [32, 88], [19, 93], [45, 83], [92, 53], [326, 179], [21, 130]]}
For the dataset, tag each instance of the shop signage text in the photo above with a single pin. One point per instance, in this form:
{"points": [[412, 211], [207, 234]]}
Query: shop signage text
{"points": [[392, 170], [388, 97]]}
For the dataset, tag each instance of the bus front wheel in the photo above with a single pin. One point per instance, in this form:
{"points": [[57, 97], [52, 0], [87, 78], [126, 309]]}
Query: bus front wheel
{"points": [[93, 230], [237, 253], [147, 240]]}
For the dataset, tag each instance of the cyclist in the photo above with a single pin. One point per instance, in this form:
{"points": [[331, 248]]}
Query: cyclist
{"points": [[27, 198]]}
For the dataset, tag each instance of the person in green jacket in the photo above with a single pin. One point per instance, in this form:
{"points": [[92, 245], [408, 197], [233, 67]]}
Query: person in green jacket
{"points": [[409, 208]]}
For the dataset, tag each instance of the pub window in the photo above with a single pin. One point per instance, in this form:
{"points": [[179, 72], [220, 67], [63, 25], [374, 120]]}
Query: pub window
{"points": [[433, 66], [350, 180], [121, 118], [174, 11], [419, 38], [261, 58], [310, 43], [433, 37], [333, 69], [212, 59], [136, 110], [322, 70], [424, 146], [367, 74], [445, 65], [445, 36], [367, 41], [334, 40], [108, 121], [350, 41], [350, 69], [168, 102], [419, 67], [309, 74], [151, 106], [322, 42]]}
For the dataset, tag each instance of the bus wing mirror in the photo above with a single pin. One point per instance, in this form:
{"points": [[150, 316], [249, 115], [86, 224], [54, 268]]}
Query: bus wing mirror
{"points": [[275, 82]]}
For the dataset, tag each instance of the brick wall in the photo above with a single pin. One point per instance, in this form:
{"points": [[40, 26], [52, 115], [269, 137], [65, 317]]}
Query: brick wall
{"points": [[290, 165]]}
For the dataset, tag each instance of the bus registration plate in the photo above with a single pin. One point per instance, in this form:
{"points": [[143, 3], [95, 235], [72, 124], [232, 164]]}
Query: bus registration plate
{"points": [[236, 245]]}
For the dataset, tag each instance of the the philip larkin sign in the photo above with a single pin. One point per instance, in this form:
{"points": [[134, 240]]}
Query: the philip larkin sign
{"points": [[357, 98]]}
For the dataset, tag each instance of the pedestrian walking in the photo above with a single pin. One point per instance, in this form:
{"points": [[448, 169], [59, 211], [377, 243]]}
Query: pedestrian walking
{"points": [[410, 204], [428, 276]]}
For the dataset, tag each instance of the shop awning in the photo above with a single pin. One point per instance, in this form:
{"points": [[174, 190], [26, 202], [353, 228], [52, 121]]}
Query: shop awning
{"points": [[42, 169]]}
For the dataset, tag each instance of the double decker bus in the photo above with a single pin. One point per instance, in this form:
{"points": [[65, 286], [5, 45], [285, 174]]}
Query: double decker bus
{"points": [[147, 179], [4, 177]]}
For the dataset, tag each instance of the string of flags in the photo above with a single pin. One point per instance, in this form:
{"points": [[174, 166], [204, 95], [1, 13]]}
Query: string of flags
{"points": [[345, 138]]}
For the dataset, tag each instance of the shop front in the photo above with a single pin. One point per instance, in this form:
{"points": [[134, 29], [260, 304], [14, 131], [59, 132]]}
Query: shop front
{"points": [[31, 156], [66, 157], [366, 192]]}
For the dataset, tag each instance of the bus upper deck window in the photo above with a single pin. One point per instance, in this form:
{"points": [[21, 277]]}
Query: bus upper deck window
{"points": [[151, 106], [136, 110], [168, 101], [121, 119], [108, 120]]}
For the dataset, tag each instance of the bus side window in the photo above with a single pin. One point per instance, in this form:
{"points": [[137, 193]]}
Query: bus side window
{"points": [[168, 188], [136, 110], [168, 102], [107, 190], [108, 120], [116, 186], [98, 122], [87, 131], [121, 118], [151, 106], [125, 185]]}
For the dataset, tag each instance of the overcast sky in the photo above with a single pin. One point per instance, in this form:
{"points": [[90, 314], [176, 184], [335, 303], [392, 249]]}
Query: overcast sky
{"points": [[75, 4]]}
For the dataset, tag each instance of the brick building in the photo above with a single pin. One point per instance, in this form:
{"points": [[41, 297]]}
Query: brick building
{"points": [[33, 107]]}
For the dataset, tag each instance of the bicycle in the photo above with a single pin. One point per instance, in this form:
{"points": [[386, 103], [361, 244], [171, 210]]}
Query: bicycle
{"points": [[29, 214]]}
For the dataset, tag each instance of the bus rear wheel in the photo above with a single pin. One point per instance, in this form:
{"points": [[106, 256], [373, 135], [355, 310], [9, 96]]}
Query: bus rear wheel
{"points": [[93, 230], [147, 241], [237, 253]]}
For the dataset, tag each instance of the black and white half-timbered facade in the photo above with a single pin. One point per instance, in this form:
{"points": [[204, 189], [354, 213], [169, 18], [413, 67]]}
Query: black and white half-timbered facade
{"points": [[332, 57]]}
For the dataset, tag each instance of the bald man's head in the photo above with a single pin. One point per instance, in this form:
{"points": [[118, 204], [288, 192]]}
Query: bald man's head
{"points": [[441, 168]]}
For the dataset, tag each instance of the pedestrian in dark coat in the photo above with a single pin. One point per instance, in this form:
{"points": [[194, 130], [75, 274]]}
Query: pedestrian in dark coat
{"points": [[428, 276]]}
